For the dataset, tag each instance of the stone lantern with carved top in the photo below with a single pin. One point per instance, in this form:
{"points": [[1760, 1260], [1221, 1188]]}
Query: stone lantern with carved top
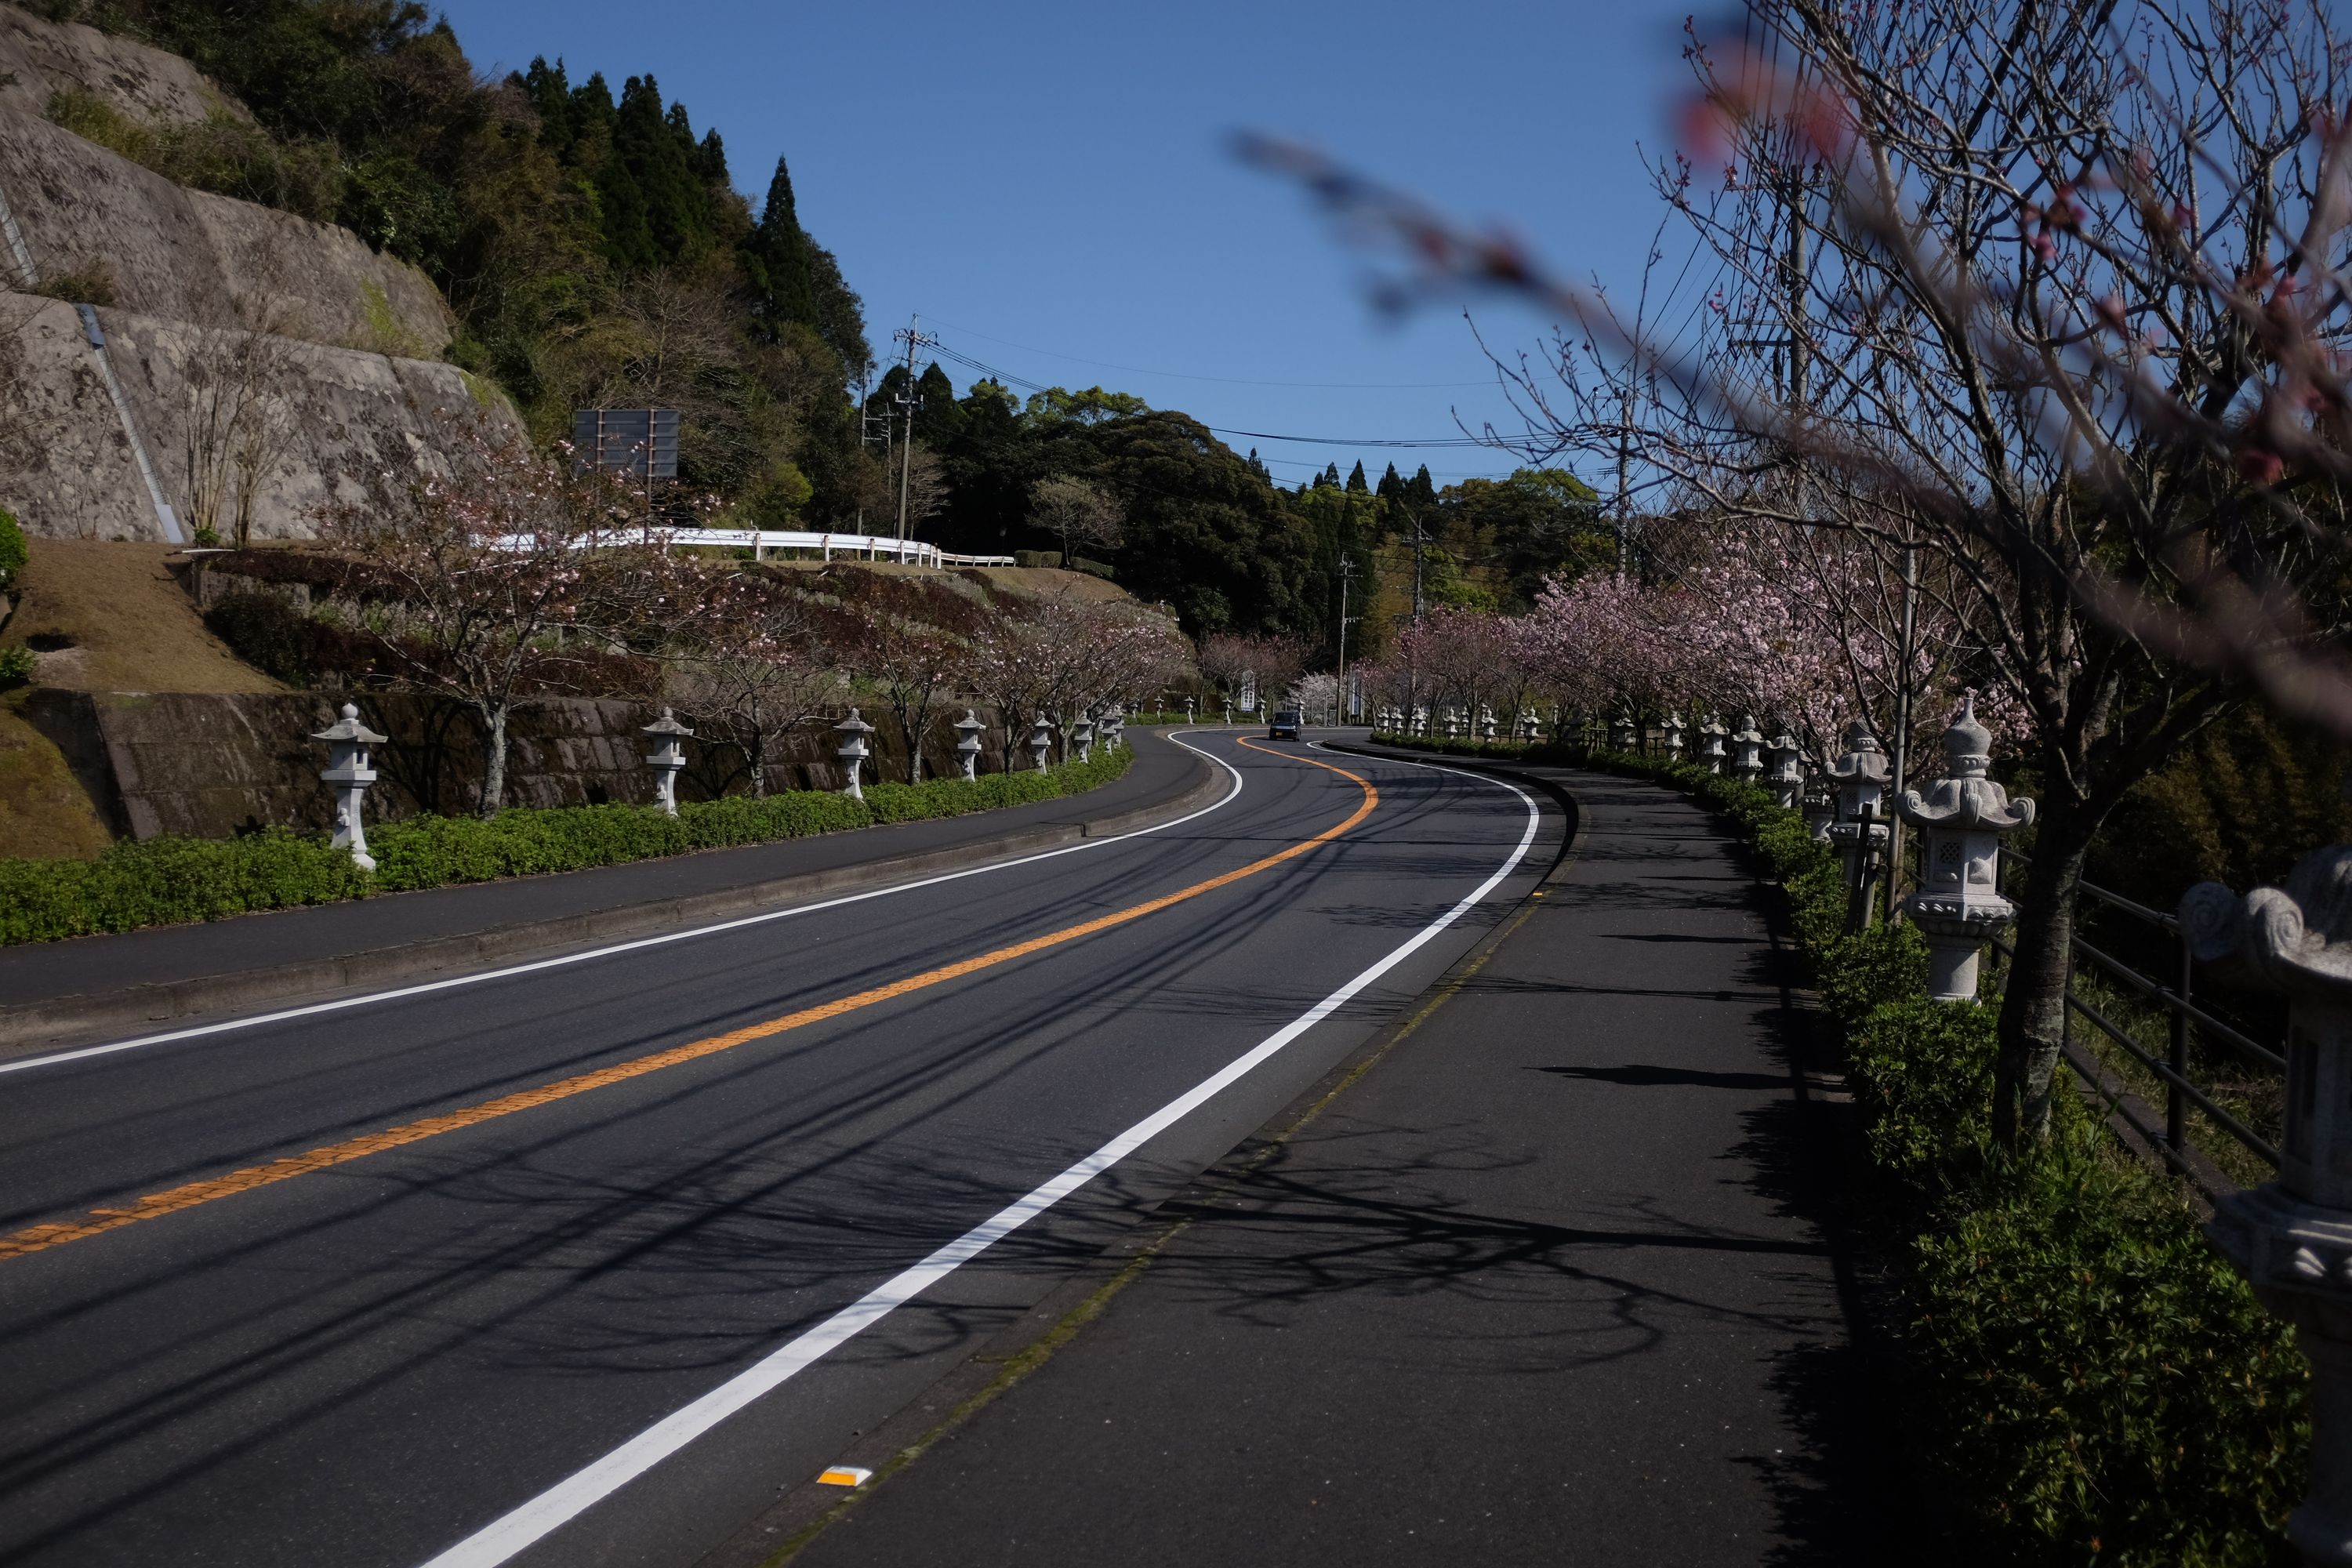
{"points": [[1710, 746], [347, 773], [1859, 832], [853, 751], [1747, 749], [1782, 777], [1960, 819], [968, 729], [2293, 1237], [666, 736], [1674, 743]]}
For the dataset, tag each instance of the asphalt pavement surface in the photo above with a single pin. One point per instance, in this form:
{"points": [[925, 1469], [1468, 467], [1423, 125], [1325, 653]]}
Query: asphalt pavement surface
{"points": [[587, 1265], [1558, 1280]]}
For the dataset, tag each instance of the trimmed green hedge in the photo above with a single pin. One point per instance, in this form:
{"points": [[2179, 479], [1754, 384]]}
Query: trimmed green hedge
{"points": [[2089, 1382], [168, 881]]}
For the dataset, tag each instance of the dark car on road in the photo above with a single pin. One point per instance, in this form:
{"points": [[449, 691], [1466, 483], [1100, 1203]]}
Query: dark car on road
{"points": [[1284, 726]]}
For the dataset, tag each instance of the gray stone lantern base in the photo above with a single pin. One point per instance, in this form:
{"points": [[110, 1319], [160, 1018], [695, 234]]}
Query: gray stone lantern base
{"points": [[1956, 934]]}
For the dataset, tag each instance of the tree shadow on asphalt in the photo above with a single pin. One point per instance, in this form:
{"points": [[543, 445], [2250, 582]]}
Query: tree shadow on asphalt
{"points": [[1829, 1488]]}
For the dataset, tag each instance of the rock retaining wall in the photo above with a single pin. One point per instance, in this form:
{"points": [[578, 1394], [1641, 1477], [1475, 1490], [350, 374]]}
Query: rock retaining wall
{"points": [[38, 57], [214, 261], [345, 424]]}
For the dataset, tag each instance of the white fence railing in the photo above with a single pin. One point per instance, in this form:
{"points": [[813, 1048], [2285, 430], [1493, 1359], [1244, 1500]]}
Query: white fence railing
{"points": [[850, 546], [855, 546]]}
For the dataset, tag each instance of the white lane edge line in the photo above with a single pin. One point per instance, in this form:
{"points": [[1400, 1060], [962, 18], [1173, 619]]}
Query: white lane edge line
{"points": [[501, 1540], [345, 1002]]}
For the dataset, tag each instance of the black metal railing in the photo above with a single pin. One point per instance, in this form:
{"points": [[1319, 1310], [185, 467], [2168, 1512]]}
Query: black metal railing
{"points": [[2184, 1018]]}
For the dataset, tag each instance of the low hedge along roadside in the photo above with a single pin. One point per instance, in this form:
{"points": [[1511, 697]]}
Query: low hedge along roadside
{"points": [[2089, 1382], [167, 881]]}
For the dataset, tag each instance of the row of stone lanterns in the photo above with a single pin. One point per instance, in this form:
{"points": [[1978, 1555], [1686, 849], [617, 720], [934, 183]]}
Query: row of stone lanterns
{"points": [[1961, 818], [348, 773]]}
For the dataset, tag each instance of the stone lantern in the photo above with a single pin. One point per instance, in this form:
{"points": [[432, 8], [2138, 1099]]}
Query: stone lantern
{"points": [[2291, 1237], [1188, 710], [1621, 733], [968, 729], [1675, 728], [1782, 777], [667, 738], [347, 773], [1710, 750], [1082, 736], [1860, 830], [1420, 720], [1820, 808], [1041, 740], [1114, 724], [852, 750], [1960, 820], [1530, 726], [1485, 723], [1747, 749]]}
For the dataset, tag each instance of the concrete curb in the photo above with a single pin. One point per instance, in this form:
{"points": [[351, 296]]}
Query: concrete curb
{"points": [[64, 1020]]}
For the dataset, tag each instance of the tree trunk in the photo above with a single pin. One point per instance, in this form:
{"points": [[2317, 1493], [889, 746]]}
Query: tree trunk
{"points": [[2034, 1009], [494, 771], [914, 751], [758, 753]]}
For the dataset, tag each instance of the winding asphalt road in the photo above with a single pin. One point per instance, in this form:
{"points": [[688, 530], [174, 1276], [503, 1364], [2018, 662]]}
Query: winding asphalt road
{"points": [[585, 1263]]}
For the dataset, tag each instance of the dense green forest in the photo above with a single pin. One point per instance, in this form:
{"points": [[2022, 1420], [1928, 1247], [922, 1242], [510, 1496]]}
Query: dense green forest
{"points": [[597, 251]]}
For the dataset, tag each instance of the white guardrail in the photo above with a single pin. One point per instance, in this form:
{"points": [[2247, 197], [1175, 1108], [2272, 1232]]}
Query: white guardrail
{"points": [[857, 546], [853, 546]]}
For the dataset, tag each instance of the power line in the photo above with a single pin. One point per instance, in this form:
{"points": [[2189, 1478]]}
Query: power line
{"points": [[968, 362], [1221, 380], [1369, 441]]}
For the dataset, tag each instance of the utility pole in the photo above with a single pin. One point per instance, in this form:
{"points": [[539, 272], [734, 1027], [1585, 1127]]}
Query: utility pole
{"points": [[872, 429], [914, 339], [1418, 538], [1905, 658], [1624, 449], [1347, 570]]}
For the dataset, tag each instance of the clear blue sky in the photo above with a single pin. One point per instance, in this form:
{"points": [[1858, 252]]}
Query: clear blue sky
{"points": [[1056, 176]]}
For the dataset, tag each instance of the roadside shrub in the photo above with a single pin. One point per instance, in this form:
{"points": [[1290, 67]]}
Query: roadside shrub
{"points": [[168, 881], [18, 666], [13, 553]]}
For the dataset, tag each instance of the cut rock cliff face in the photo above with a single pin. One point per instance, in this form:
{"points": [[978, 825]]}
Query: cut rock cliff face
{"points": [[265, 363], [143, 84]]}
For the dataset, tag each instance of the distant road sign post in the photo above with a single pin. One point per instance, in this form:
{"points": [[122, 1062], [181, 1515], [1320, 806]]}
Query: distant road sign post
{"points": [[642, 442], [639, 442]]}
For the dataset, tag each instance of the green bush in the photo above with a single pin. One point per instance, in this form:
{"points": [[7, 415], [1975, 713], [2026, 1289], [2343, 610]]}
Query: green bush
{"points": [[2087, 1382], [18, 666], [12, 549], [168, 881]]}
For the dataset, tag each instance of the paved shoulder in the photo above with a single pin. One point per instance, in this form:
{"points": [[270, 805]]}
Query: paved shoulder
{"points": [[1548, 1284]]}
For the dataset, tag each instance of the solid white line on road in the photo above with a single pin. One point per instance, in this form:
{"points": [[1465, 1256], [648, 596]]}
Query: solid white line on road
{"points": [[499, 1541], [342, 1003]]}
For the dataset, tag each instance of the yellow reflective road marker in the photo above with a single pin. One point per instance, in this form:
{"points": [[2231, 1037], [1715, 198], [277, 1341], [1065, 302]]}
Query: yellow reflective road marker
{"points": [[155, 1205], [845, 1476]]}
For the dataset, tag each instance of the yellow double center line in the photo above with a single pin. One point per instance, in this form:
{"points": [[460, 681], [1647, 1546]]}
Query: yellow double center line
{"points": [[155, 1205]]}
